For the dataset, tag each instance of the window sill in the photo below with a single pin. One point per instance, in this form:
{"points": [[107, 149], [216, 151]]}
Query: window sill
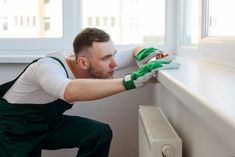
{"points": [[208, 90]]}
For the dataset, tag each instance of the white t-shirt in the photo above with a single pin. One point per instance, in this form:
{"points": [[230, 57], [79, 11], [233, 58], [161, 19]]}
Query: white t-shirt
{"points": [[45, 80]]}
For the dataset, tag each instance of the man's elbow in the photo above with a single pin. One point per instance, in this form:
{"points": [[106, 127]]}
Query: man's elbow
{"points": [[69, 95], [68, 98]]}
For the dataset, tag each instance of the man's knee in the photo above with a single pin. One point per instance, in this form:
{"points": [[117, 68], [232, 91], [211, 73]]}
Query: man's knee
{"points": [[106, 133]]}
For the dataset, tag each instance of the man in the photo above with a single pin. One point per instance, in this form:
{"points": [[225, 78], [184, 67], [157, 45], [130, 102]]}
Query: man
{"points": [[32, 105]]}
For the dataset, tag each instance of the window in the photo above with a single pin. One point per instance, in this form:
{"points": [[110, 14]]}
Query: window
{"points": [[190, 22], [206, 18], [122, 19], [207, 30], [47, 25], [37, 19], [220, 20], [44, 25]]}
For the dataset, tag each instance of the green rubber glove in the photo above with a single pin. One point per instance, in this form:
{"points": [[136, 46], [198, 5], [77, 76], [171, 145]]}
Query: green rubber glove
{"points": [[144, 74], [145, 55]]}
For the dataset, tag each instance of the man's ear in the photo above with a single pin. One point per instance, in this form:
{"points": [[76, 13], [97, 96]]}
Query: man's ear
{"points": [[83, 62]]}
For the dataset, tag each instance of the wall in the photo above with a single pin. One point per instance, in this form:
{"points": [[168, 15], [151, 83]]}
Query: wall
{"points": [[120, 111], [199, 140], [10, 71]]}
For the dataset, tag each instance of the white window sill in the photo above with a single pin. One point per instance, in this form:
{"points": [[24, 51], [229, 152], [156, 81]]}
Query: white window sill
{"points": [[208, 90]]}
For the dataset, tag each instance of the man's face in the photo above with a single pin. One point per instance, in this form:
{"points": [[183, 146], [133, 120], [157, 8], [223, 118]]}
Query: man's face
{"points": [[101, 60]]}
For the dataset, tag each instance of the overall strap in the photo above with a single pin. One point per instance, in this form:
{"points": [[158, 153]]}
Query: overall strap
{"points": [[61, 64], [6, 86]]}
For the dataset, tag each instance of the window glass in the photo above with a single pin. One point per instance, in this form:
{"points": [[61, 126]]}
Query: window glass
{"points": [[127, 21], [221, 18], [190, 22], [37, 19]]}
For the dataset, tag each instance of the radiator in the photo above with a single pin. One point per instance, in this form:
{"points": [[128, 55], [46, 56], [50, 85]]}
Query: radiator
{"points": [[157, 137]]}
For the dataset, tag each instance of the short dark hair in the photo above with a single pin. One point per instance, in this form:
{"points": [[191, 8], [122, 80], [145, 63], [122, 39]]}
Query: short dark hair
{"points": [[86, 38]]}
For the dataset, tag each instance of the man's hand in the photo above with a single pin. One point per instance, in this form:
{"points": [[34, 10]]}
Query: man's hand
{"points": [[146, 54], [144, 74]]}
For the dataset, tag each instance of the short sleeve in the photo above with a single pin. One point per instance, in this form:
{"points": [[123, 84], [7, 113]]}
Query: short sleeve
{"points": [[52, 77]]}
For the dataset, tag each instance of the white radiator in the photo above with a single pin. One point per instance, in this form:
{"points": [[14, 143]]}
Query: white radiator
{"points": [[157, 138]]}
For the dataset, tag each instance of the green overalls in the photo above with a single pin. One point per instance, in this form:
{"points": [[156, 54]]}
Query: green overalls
{"points": [[26, 129]]}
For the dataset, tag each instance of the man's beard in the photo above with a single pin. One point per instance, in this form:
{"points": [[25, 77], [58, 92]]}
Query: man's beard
{"points": [[98, 74], [94, 74]]}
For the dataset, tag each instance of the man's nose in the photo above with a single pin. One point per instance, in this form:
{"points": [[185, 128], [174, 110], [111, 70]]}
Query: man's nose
{"points": [[113, 63]]}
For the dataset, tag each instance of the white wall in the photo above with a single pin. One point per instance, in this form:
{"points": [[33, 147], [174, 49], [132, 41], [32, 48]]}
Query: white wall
{"points": [[10, 71], [120, 111]]}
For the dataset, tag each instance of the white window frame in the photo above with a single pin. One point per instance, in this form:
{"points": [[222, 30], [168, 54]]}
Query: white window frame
{"points": [[25, 50], [205, 37], [217, 50]]}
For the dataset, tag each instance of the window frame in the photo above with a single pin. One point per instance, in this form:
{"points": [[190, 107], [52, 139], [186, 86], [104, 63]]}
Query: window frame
{"points": [[26, 50], [205, 28], [217, 50], [204, 25], [23, 50]]}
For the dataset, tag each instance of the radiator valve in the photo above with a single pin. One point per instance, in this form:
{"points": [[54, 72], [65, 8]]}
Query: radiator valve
{"points": [[168, 151]]}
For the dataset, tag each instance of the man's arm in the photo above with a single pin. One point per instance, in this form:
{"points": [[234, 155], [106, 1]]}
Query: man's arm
{"points": [[125, 57], [139, 55], [91, 89]]}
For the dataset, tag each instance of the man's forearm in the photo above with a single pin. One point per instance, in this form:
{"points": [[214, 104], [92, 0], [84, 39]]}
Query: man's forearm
{"points": [[125, 57], [91, 89]]}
